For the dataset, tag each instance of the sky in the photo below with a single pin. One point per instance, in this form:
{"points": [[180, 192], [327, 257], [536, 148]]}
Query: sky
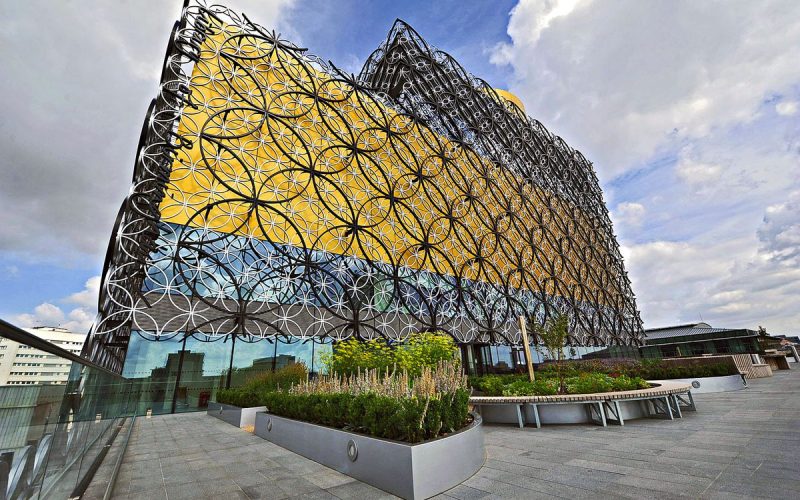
{"points": [[690, 112]]}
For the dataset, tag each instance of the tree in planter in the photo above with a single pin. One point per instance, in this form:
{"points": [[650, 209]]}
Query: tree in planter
{"points": [[420, 350], [551, 336]]}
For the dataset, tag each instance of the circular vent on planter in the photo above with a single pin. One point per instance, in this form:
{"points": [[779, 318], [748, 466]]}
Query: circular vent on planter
{"points": [[352, 450], [696, 384]]}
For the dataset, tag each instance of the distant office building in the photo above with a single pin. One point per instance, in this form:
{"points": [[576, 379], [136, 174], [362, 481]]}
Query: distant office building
{"points": [[697, 339], [23, 365], [261, 365], [787, 340]]}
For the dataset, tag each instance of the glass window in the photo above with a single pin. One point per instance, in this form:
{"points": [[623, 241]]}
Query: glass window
{"points": [[320, 350], [251, 356], [178, 375], [669, 351], [204, 369], [503, 359], [290, 351], [153, 366]]}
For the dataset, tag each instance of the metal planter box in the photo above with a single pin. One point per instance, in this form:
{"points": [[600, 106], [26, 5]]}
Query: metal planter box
{"points": [[240, 417], [410, 471]]}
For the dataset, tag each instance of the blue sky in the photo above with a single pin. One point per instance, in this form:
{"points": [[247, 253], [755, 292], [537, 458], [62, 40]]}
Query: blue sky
{"points": [[690, 112]]}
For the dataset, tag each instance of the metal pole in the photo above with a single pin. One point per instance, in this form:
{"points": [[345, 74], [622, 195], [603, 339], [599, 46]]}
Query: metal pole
{"points": [[178, 376], [230, 366], [527, 347]]}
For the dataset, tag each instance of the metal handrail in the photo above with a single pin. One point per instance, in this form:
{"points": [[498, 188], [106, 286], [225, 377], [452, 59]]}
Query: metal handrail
{"points": [[17, 334], [113, 481]]}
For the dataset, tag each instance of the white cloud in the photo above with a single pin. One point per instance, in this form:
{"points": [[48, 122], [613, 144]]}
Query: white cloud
{"points": [[787, 108], [678, 111], [728, 284], [542, 15], [45, 314], [780, 231], [78, 319], [88, 296], [618, 89], [630, 213], [10, 272], [77, 78], [696, 173]]}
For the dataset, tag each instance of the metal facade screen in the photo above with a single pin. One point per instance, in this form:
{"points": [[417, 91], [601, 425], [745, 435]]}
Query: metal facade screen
{"points": [[274, 195]]}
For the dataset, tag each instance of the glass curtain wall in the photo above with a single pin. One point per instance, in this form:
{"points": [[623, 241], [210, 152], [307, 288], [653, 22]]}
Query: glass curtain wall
{"points": [[482, 359], [184, 373]]}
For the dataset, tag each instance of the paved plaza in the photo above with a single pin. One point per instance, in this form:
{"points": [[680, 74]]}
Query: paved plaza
{"points": [[743, 444]]}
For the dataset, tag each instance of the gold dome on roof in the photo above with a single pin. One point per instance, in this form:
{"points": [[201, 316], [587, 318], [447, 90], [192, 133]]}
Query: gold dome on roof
{"points": [[508, 96]]}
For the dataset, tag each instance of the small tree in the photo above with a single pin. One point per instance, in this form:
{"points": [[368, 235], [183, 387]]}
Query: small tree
{"points": [[552, 335]]}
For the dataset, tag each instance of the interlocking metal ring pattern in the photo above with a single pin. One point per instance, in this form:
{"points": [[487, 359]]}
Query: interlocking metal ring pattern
{"points": [[274, 195]]}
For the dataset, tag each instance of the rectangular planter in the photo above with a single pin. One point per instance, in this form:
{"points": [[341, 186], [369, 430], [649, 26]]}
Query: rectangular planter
{"points": [[408, 471], [240, 417]]}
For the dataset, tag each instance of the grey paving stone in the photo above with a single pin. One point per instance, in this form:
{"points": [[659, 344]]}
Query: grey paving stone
{"points": [[744, 444], [316, 495], [267, 490], [329, 479], [296, 485], [464, 492], [667, 487], [358, 490], [502, 489]]}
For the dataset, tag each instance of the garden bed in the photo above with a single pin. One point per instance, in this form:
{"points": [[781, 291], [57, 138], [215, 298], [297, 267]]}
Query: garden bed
{"points": [[394, 416], [601, 376], [660, 401], [407, 470]]}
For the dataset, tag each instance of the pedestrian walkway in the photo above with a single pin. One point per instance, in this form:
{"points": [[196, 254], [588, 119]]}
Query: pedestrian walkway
{"points": [[743, 444]]}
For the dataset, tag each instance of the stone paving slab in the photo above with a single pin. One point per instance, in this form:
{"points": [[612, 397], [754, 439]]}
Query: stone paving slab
{"points": [[743, 444]]}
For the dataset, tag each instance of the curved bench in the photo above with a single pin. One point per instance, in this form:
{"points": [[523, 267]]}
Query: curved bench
{"points": [[664, 400]]}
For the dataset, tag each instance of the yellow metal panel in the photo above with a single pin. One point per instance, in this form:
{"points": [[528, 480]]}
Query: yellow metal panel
{"points": [[284, 152]]}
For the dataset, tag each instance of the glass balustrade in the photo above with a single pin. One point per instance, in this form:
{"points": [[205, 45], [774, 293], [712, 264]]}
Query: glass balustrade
{"points": [[52, 434]]}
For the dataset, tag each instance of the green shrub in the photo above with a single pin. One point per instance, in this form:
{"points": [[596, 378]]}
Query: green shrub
{"points": [[542, 387], [249, 394], [589, 383], [518, 388], [590, 376], [281, 379], [626, 383], [653, 369], [547, 384], [489, 385], [238, 397], [353, 355], [424, 349], [421, 350], [410, 419], [392, 405], [545, 387]]}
